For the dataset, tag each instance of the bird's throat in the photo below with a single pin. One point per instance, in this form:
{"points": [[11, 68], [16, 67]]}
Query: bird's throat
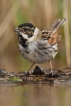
{"points": [[22, 41]]}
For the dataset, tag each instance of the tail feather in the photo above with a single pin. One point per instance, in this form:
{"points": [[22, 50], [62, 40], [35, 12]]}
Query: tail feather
{"points": [[57, 24], [55, 37]]}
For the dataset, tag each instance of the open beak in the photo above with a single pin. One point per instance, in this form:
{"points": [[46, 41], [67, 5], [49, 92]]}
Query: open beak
{"points": [[16, 30]]}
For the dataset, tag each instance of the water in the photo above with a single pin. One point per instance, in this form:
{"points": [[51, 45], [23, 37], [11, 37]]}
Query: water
{"points": [[35, 95]]}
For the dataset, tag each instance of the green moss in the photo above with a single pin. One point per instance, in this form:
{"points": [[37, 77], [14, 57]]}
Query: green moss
{"points": [[14, 79]]}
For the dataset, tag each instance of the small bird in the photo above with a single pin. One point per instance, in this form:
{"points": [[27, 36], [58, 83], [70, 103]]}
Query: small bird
{"points": [[39, 46]]}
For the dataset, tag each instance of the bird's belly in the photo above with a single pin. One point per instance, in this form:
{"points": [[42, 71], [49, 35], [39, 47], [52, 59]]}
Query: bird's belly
{"points": [[38, 56]]}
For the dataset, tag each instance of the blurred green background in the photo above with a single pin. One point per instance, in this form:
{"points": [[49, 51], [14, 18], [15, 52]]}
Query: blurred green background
{"points": [[41, 13]]}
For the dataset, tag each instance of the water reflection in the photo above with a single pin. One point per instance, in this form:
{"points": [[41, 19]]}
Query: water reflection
{"points": [[35, 95]]}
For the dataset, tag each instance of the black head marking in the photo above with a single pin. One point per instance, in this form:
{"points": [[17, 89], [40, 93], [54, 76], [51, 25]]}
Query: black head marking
{"points": [[22, 41], [27, 24], [27, 28]]}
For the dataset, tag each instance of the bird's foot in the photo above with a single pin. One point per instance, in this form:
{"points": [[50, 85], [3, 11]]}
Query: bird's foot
{"points": [[51, 73]]}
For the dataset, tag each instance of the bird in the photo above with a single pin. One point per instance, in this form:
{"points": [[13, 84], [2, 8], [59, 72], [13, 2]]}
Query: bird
{"points": [[36, 45]]}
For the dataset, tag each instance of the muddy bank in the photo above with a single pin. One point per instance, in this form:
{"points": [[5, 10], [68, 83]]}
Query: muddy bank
{"points": [[60, 76]]}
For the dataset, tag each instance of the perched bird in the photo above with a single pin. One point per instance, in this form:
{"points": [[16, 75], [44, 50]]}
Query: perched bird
{"points": [[39, 46]]}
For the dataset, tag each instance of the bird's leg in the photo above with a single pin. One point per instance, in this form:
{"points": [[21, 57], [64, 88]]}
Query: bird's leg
{"points": [[51, 72], [29, 70], [31, 66]]}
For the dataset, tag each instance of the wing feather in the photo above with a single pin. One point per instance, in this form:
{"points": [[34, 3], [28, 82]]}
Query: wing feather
{"points": [[52, 36]]}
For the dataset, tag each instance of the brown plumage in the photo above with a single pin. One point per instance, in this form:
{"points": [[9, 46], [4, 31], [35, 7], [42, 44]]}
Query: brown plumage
{"points": [[52, 35], [39, 46]]}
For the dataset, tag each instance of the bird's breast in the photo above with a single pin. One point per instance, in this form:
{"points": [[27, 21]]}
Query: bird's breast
{"points": [[38, 53]]}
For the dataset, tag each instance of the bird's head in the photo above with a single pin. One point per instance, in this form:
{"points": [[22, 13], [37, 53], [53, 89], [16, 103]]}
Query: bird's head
{"points": [[25, 30]]}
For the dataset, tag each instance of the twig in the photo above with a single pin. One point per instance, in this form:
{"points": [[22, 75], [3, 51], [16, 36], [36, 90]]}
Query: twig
{"points": [[66, 32]]}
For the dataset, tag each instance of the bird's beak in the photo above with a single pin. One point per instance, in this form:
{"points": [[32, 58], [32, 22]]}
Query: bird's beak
{"points": [[16, 29]]}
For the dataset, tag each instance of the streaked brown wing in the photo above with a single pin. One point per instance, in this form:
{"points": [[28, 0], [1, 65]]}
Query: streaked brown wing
{"points": [[54, 38], [52, 35]]}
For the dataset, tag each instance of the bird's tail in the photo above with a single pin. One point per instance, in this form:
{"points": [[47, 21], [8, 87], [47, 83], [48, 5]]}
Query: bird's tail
{"points": [[57, 24], [55, 37]]}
